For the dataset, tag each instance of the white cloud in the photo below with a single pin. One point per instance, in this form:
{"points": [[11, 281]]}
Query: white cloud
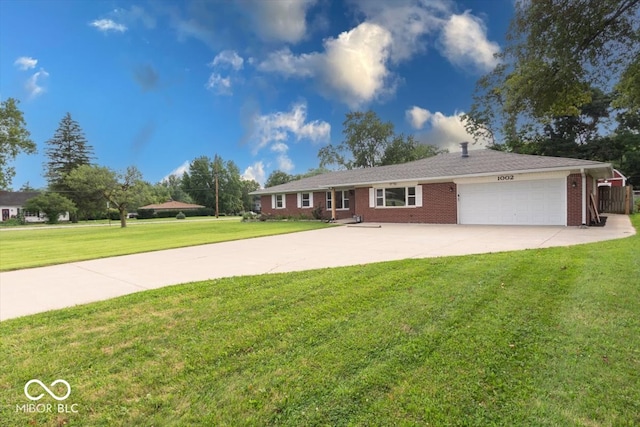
{"points": [[179, 171], [352, 66], [218, 84], [106, 25], [464, 43], [417, 116], [255, 172], [25, 63], [408, 21], [275, 129], [442, 130], [280, 21], [33, 84], [134, 14], [228, 57], [285, 163]]}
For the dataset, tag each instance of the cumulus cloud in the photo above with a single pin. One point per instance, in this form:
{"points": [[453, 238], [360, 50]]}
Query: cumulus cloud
{"points": [[228, 58], [280, 21], [464, 43], [34, 86], [276, 129], [106, 25], [255, 172], [285, 163], [179, 171], [408, 21], [352, 66], [441, 130], [25, 63], [417, 116], [219, 85]]}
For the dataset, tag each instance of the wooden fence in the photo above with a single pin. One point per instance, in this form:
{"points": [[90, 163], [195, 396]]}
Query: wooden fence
{"points": [[615, 199]]}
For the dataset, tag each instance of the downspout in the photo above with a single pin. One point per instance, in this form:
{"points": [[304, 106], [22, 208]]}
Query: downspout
{"points": [[584, 198]]}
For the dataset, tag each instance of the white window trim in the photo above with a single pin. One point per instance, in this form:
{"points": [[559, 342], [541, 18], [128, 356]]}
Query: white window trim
{"points": [[418, 196], [310, 200], [274, 201], [345, 196]]}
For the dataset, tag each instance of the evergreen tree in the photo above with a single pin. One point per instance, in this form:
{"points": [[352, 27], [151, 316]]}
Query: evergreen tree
{"points": [[67, 150]]}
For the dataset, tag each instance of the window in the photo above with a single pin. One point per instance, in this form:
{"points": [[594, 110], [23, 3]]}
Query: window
{"points": [[396, 197], [278, 201], [305, 200], [342, 200]]}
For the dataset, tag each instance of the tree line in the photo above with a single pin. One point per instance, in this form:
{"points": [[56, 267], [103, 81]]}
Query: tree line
{"points": [[87, 190]]}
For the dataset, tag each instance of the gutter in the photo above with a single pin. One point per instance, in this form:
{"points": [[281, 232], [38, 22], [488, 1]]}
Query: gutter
{"points": [[433, 179]]}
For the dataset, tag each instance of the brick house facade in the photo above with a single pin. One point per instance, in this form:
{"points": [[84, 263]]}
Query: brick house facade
{"points": [[486, 187]]}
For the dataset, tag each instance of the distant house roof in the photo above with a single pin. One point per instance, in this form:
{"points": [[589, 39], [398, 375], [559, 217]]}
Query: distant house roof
{"points": [[446, 166], [16, 198], [172, 205]]}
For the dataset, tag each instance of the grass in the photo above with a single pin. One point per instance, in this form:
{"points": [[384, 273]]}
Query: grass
{"points": [[46, 246], [544, 337]]}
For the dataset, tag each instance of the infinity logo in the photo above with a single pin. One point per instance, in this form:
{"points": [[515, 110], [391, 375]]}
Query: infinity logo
{"points": [[38, 397]]}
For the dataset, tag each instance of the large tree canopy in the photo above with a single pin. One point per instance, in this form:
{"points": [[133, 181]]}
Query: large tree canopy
{"points": [[557, 52], [14, 138], [369, 142], [96, 182]]}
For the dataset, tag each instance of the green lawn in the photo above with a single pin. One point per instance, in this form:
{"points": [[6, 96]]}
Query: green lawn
{"points": [[45, 246], [547, 337]]}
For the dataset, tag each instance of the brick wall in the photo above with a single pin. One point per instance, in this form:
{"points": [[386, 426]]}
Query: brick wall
{"points": [[439, 206], [319, 199], [574, 199]]}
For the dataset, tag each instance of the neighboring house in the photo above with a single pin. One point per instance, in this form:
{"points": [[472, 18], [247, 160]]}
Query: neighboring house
{"points": [[618, 180], [472, 187], [12, 206], [172, 205]]}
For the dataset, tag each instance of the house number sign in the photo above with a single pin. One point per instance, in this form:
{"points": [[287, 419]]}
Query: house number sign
{"points": [[505, 177]]}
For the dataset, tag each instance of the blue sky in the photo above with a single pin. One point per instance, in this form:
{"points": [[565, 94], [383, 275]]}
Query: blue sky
{"points": [[265, 83]]}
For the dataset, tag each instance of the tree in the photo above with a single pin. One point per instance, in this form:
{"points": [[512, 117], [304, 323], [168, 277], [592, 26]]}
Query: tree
{"points": [[173, 184], [403, 150], [556, 53], [51, 204], [278, 177], [97, 182], [200, 183], [366, 139], [14, 139], [68, 149], [369, 142], [248, 185]]}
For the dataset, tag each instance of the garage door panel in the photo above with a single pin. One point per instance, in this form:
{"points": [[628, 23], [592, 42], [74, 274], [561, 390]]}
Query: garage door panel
{"points": [[538, 202]]}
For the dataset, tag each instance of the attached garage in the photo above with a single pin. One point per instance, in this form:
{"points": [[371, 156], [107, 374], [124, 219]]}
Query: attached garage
{"points": [[514, 202]]}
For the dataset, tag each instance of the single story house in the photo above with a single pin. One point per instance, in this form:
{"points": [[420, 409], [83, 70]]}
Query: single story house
{"points": [[472, 187], [12, 206]]}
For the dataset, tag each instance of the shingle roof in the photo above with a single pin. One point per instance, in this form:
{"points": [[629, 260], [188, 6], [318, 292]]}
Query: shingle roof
{"points": [[16, 198], [171, 205], [442, 166]]}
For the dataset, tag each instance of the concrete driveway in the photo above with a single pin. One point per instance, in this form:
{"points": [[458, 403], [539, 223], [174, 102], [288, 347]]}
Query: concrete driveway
{"points": [[36, 290]]}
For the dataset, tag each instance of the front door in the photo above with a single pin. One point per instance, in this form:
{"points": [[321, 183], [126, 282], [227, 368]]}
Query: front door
{"points": [[5, 214]]}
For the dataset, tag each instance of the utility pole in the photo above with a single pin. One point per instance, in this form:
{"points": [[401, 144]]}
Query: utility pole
{"points": [[215, 174]]}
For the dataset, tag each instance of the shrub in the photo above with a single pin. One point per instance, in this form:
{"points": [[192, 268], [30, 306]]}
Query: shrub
{"points": [[318, 212], [180, 216]]}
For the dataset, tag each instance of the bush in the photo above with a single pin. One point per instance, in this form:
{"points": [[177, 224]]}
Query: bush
{"points": [[318, 212], [181, 215]]}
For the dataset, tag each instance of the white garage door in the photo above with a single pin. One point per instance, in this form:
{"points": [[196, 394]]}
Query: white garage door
{"points": [[539, 202]]}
